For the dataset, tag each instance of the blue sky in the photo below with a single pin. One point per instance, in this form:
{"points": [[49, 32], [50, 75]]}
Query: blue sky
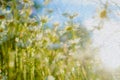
{"points": [[60, 6]]}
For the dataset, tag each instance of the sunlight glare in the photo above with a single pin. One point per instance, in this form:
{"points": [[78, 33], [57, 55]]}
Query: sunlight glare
{"points": [[108, 40]]}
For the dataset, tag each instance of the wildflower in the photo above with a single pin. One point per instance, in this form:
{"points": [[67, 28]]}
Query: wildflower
{"points": [[75, 41], [50, 77], [73, 16], [39, 36], [44, 19], [47, 31], [61, 71], [103, 14], [68, 28], [28, 11], [16, 39], [60, 56]]}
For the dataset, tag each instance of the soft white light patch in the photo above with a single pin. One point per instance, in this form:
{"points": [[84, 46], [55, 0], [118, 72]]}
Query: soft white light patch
{"points": [[108, 39]]}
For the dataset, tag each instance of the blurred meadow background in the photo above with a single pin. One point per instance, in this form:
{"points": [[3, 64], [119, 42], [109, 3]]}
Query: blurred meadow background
{"points": [[59, 39]]}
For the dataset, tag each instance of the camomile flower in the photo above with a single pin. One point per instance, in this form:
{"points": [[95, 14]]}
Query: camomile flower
{"points": [[68, 28], [28, 11], [48, 31], [50, 77], [55, 25], [44, 19], [74, 41], [16, 39], [73, 15], [103, 14], [99, 19]]}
